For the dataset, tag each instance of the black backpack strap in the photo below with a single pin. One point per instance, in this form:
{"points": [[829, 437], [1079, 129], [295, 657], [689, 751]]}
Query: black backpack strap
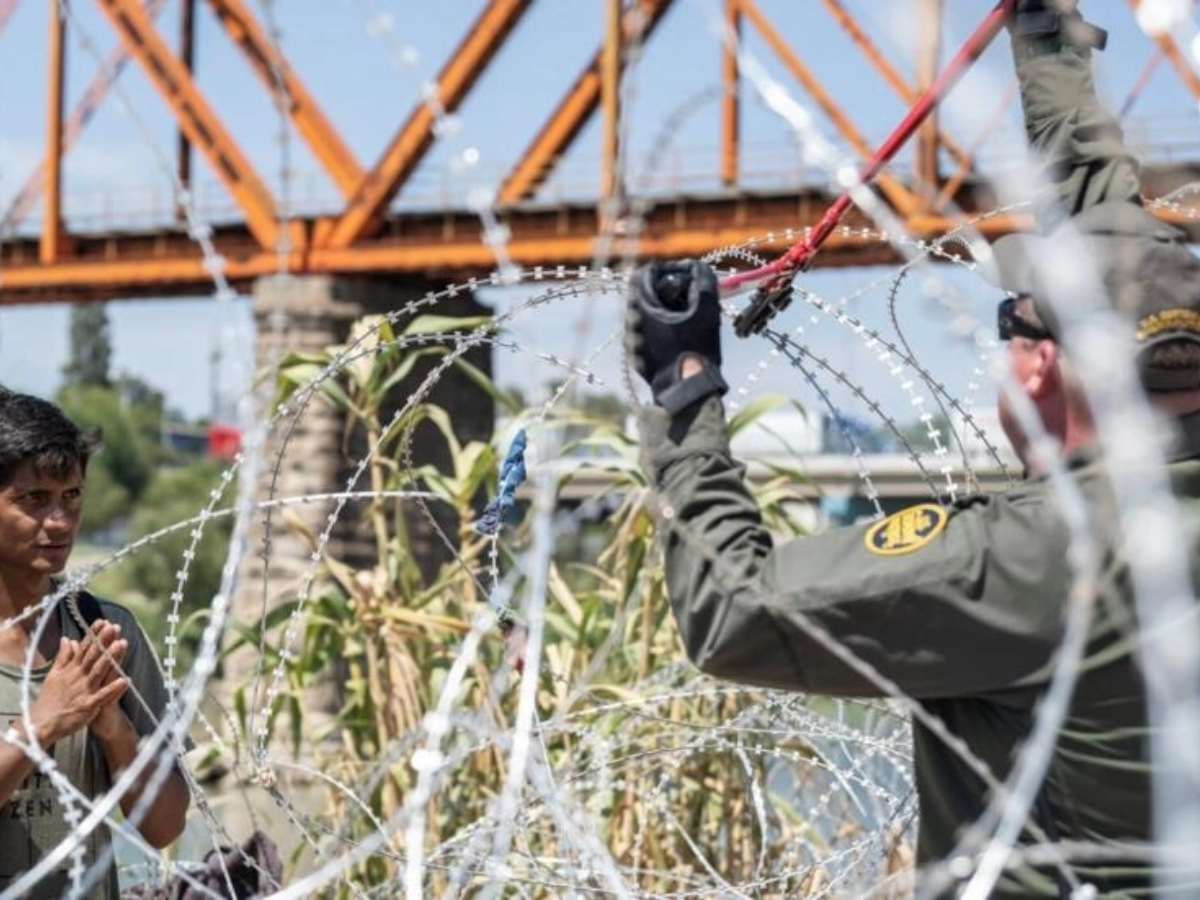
{"points": [[85, 609], [87, 606]]}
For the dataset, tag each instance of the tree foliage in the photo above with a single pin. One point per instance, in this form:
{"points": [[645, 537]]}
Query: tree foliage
{"points": [[920, 435], [123, 466], [173, 561], [90, 350]]}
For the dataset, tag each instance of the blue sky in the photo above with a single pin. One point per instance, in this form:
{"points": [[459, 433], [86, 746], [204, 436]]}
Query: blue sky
{"points": [[349, 63]]}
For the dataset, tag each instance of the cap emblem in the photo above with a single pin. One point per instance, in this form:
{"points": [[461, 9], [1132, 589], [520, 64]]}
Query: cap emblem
{"points": [[1157, 323]]}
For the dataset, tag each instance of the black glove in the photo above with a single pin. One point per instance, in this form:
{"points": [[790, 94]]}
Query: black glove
{"points": [[675, 312], [1052, 24]]}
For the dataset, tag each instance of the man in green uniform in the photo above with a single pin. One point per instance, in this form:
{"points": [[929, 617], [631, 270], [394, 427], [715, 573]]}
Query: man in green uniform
{"points": [[959, 607], [78, 708]]}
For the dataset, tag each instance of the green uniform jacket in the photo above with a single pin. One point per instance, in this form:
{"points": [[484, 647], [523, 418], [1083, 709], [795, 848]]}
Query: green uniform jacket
{"points": [[960, 607]]}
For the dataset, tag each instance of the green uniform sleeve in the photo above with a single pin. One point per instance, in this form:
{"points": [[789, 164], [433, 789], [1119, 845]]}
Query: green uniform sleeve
{"points": [[1079, 142], [962, 613]]}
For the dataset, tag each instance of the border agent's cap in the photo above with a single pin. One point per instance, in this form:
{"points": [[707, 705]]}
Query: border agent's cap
{"points": [[1145, 265]]}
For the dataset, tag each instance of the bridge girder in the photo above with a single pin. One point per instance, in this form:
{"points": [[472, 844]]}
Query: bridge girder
{"points": [[364, 237]]}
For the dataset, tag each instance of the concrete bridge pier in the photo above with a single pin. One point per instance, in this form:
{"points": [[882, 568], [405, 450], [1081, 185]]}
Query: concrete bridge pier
{"points": [[310, 455]]}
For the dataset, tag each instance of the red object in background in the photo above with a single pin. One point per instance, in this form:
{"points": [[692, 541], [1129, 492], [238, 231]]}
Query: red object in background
{"points": [[224, 441]]}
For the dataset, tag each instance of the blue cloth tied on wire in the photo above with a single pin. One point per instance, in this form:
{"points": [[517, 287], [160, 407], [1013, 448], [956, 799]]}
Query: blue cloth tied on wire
{"points": [[512, 474]]}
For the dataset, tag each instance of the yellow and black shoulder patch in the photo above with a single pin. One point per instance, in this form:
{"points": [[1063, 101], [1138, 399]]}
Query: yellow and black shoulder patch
{"points": [[906, 531]]}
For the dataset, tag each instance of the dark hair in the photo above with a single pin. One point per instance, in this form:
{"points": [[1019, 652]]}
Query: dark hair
{"points": [[37, 430]]}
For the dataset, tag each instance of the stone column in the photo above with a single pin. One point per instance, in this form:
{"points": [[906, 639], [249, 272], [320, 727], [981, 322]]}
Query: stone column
{"points": [[307, 454], [301, 456], [471, 410], [304, 455]]}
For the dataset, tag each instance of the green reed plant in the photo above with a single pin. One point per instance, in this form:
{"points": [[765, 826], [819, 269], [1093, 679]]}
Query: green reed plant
{"points": [[628, 729]]}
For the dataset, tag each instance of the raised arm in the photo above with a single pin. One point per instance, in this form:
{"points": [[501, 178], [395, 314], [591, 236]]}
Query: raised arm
{"points": [[1077, 139], [921, 598]]}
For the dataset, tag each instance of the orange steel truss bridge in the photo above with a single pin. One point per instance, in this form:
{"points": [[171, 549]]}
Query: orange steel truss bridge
{"points": [[365, 234]]}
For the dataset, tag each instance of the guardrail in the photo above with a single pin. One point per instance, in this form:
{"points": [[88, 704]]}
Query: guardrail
{"points": [[690, 171], [893, 476]]}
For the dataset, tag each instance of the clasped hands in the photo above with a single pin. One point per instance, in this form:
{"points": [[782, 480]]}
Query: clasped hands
{"points": [[83, 687]]}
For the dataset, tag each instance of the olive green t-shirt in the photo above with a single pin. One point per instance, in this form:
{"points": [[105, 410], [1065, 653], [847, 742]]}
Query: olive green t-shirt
{"points": [[35, 821]]}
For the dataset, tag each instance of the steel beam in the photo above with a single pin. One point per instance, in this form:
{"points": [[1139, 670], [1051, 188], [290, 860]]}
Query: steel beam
{"points": [[610, 92], [97, 90], [1141, 82], [187, 55], [443, 246], [928, 64], [52, 213], [576, 107], [447, 247], [899, 196], [302, 109], [875, 57], [367, 206], [952, 185], [198, 120], [7, 8], [1170, 50], [731, 41]]}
